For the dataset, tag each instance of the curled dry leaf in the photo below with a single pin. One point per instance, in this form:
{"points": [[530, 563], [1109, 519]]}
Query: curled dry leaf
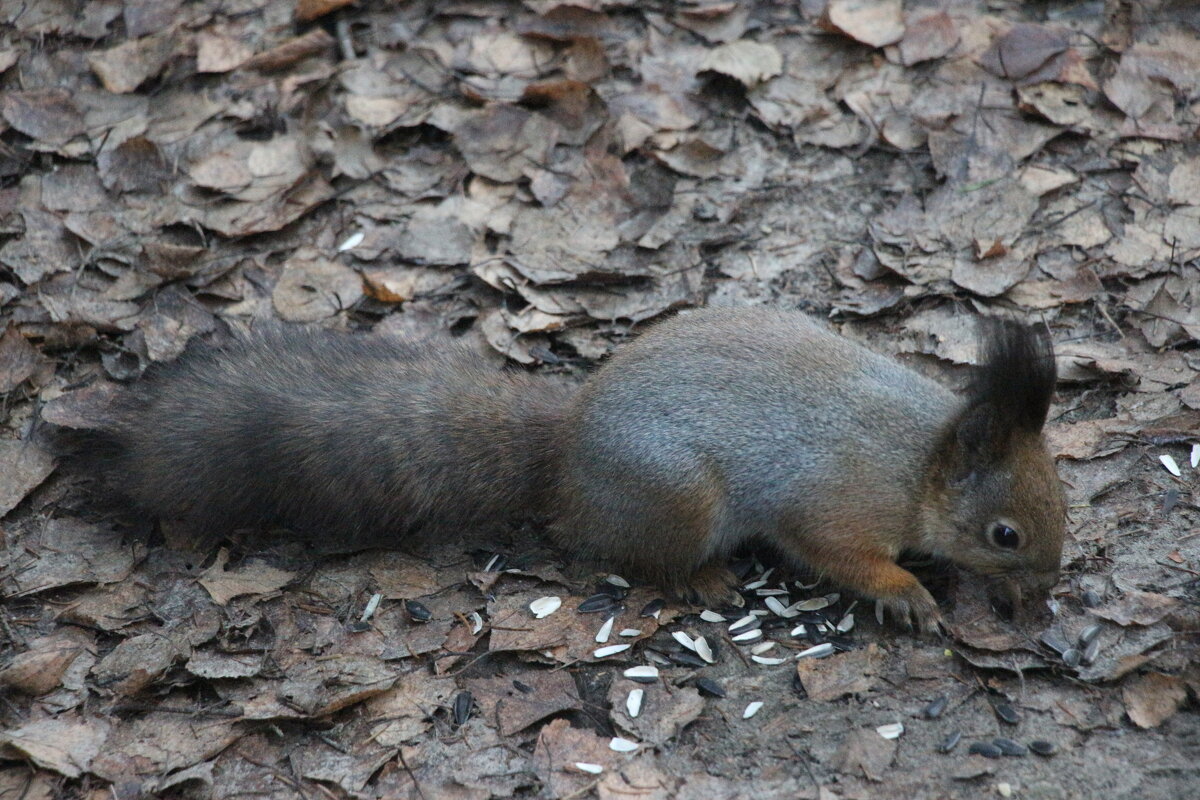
{"points": [[1153, 698]]}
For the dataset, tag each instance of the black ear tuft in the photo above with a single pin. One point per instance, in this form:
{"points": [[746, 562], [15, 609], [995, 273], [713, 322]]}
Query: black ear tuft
{"points": [[1016, 376]]}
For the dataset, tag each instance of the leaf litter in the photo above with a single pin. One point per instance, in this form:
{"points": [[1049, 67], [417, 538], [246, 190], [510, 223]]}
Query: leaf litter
{"points": [[539, 179]]}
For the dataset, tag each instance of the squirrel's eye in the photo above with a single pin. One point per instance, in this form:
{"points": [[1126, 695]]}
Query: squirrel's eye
{"points": [[1005, 537]]}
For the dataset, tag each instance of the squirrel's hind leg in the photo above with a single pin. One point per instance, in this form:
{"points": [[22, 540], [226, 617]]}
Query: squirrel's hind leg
{"points": [[659, 528]]}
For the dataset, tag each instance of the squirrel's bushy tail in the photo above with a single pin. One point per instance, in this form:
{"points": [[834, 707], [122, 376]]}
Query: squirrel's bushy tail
{"points": [[333, 434]]}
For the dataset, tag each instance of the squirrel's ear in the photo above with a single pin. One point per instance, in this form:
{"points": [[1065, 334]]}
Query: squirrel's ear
{"points": [[1016, 375], [1010, 392]]}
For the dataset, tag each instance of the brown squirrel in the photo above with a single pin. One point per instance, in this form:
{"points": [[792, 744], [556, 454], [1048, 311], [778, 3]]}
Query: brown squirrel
{"points": [[712, 428]]}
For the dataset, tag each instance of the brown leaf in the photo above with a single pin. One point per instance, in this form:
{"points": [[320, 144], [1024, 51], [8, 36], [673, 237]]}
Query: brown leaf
{"points": [[18, 361], [665, 711], [284, 55], [503, 142], [313, 288], [1153, 698], [66, 744], [832, 678], [40, 668], [559, 747], [23, 467], [746, 61], [927, 35], [864, 753], [138, 662], [1137, 608], [514, 709], [251, 578], [873, 22], [308, 10], [127, 66], [1023, 50], [47, 115]]}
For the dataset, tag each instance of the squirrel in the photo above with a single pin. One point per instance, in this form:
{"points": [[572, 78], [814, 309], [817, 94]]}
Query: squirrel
{"points": [[713, 427]]}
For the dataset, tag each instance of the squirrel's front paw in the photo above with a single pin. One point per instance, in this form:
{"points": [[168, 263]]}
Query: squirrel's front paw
{"points": [[712, 586], [914, 607]]}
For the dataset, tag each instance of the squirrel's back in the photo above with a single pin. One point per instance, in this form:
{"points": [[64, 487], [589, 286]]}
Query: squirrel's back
{"points": [[334, 434]]}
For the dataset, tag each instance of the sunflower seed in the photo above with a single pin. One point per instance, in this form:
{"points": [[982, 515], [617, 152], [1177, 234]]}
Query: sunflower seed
{"points": [[744, 624], [704, 650], [629, 632], [495, 563], [591, 769], [597, 602], [748, 636], [1091, 600], [1195, 456], [711, 616], [1004, 789], [372, 604], [799, 630], [779, 608], [813, 604], [644, 674], [611, 650], [766, 576], [1072, 658], [605, 631], [879, 611], [686, 658], [767, 660], [462, 708], [617, 580], [768, 593], [653, 608], [1091, 652], [1088, 634], [622, 745], [352, 241], [684, 640], [752, 709], [476, 622], [935, 707], [611, 590], [749, 587], [417, 612], [523, 688], [657, 657], [950, 742], [761, 648], [1006, 713], [633, 703], [709, 687], [846, 624], [985, 749], [1043, 748], [545, 606], [1171, 466], [1009, 747], [891, 731], [1055, 641], [819, 651]]}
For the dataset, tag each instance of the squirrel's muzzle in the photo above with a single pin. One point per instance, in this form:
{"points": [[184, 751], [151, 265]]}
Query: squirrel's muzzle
{"points": [[1011, 593]]}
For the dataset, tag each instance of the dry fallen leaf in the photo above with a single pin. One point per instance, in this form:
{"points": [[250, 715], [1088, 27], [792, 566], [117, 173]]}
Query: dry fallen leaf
{"points": [[873, 22], [1153, 698], [251, 578]]}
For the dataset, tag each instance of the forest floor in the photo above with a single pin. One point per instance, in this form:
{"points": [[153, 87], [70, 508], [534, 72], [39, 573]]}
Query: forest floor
{"points": [[537, 179]]}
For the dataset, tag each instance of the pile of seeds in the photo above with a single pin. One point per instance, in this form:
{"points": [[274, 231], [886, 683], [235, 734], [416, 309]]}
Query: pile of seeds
{"points": [[771, 624]]}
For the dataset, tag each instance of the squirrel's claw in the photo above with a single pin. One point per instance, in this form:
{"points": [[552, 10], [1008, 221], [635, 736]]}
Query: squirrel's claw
{"points": [[915, 609]]}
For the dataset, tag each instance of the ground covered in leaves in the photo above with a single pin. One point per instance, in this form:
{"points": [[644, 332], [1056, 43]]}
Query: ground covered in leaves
{"points": [[538, 178]]}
